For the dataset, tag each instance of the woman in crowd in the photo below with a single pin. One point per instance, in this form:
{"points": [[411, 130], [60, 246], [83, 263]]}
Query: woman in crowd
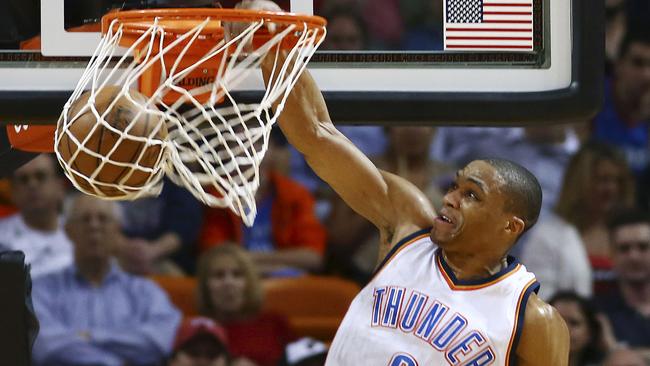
{"points": [[230, 292], [588, 346], [597, 182]]}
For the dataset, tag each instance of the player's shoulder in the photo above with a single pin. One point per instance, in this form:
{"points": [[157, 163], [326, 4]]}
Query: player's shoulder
{"points": [[545, 336], [539, 312]]}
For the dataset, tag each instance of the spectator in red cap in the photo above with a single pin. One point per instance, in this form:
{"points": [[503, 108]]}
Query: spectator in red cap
{"points": [[200, 342]]}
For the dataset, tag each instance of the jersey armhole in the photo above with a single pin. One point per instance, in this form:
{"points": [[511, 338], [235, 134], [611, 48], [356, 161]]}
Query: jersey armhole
{"points": [[532, 286]]}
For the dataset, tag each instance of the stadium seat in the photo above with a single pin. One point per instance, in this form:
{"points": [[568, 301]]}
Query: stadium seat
{"points": [[181, 291], [314, 305]]}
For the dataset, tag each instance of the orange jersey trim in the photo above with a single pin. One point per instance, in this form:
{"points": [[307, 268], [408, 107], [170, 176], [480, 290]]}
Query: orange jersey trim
{"points": [[459, 287]]}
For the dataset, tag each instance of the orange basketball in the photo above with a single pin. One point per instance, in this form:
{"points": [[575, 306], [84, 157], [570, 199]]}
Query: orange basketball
{"points": [[102, 139]]}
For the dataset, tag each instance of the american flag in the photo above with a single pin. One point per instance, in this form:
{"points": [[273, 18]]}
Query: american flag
{"points": [[489, 25]]}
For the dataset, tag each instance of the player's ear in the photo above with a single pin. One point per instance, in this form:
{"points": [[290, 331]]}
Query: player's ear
{"points": [[515, 225]]}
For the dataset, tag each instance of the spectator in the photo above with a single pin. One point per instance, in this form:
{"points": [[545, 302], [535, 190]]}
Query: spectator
{"points": [[587, 344], [200, 342], [423, 21], [37, 229], [304, 352], [623, 120], [554, 251], [597, 182], [628, 308], [346, 29], [162, 232], [93, 313], [624, 357], [286, 237], [353, 240], [230, 292], [385, 23]]}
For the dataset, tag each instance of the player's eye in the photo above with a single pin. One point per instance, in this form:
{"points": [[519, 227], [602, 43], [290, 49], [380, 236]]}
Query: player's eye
{"points": [[472, 195]]}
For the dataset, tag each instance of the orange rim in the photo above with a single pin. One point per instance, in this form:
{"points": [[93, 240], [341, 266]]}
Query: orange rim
{"points": [[179, 21]]}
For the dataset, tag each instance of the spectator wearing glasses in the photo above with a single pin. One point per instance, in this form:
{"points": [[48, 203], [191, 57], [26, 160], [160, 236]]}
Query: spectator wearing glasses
{"points": [[37, 229], [628, 308]]}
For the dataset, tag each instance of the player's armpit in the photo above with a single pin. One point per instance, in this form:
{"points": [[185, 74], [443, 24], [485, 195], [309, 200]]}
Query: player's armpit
{"points": [[545, 337]]}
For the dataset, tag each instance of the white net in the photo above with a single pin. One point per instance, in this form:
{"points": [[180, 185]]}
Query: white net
{"points": [[215, 139]]}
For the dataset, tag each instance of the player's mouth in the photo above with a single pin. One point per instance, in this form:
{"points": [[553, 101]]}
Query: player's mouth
{"points": [[446, 218]]}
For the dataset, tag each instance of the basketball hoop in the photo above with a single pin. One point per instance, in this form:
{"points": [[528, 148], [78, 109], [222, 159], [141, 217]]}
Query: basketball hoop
{"points": [[187, 68]]}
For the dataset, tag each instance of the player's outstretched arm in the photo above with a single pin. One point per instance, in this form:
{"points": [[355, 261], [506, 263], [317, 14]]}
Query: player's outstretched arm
{"points": [[389, 202], [545, 337]]}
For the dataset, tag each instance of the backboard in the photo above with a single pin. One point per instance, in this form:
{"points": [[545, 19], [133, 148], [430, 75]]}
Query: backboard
{"points": [[472, 62]]}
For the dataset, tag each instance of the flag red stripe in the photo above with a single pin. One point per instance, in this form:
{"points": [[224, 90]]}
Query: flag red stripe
{"points": [[509, 21], [490, 29], [508, 12], [492, 38], [486, 46]]}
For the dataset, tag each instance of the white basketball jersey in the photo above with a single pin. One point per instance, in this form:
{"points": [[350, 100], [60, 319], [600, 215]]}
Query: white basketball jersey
{"points": [[415, 312]]}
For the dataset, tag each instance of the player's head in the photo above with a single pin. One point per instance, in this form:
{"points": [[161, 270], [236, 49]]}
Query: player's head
{"points": [[490, 204]]}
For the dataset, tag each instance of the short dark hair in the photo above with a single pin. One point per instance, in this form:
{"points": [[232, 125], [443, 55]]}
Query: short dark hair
{"points": [[627, 217], [523, 190], [636, 32]]}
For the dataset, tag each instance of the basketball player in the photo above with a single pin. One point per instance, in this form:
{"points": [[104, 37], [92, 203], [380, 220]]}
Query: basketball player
{"points": [[445, 291]]}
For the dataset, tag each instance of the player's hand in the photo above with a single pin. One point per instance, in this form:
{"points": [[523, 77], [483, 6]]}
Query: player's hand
{"points": [[234, 29]]}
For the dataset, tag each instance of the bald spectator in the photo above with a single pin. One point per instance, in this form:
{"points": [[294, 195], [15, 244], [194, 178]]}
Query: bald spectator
{"points": [[624, 357], [92, 312], [37, 229]]}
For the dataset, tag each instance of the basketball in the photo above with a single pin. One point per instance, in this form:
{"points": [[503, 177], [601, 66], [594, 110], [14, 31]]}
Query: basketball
{"points": [[123, 116]]}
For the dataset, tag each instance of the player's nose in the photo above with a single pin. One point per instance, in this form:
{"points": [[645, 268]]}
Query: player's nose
{"points": [[451, 199]]}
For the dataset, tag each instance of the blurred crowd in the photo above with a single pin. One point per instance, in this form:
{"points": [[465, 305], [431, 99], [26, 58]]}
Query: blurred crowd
{"points": [[95, 263]]}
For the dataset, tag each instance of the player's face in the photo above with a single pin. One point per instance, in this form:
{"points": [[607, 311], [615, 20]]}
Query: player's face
{"points": [[631, 252], [227, 285], [472, 210], [576, 322]]}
